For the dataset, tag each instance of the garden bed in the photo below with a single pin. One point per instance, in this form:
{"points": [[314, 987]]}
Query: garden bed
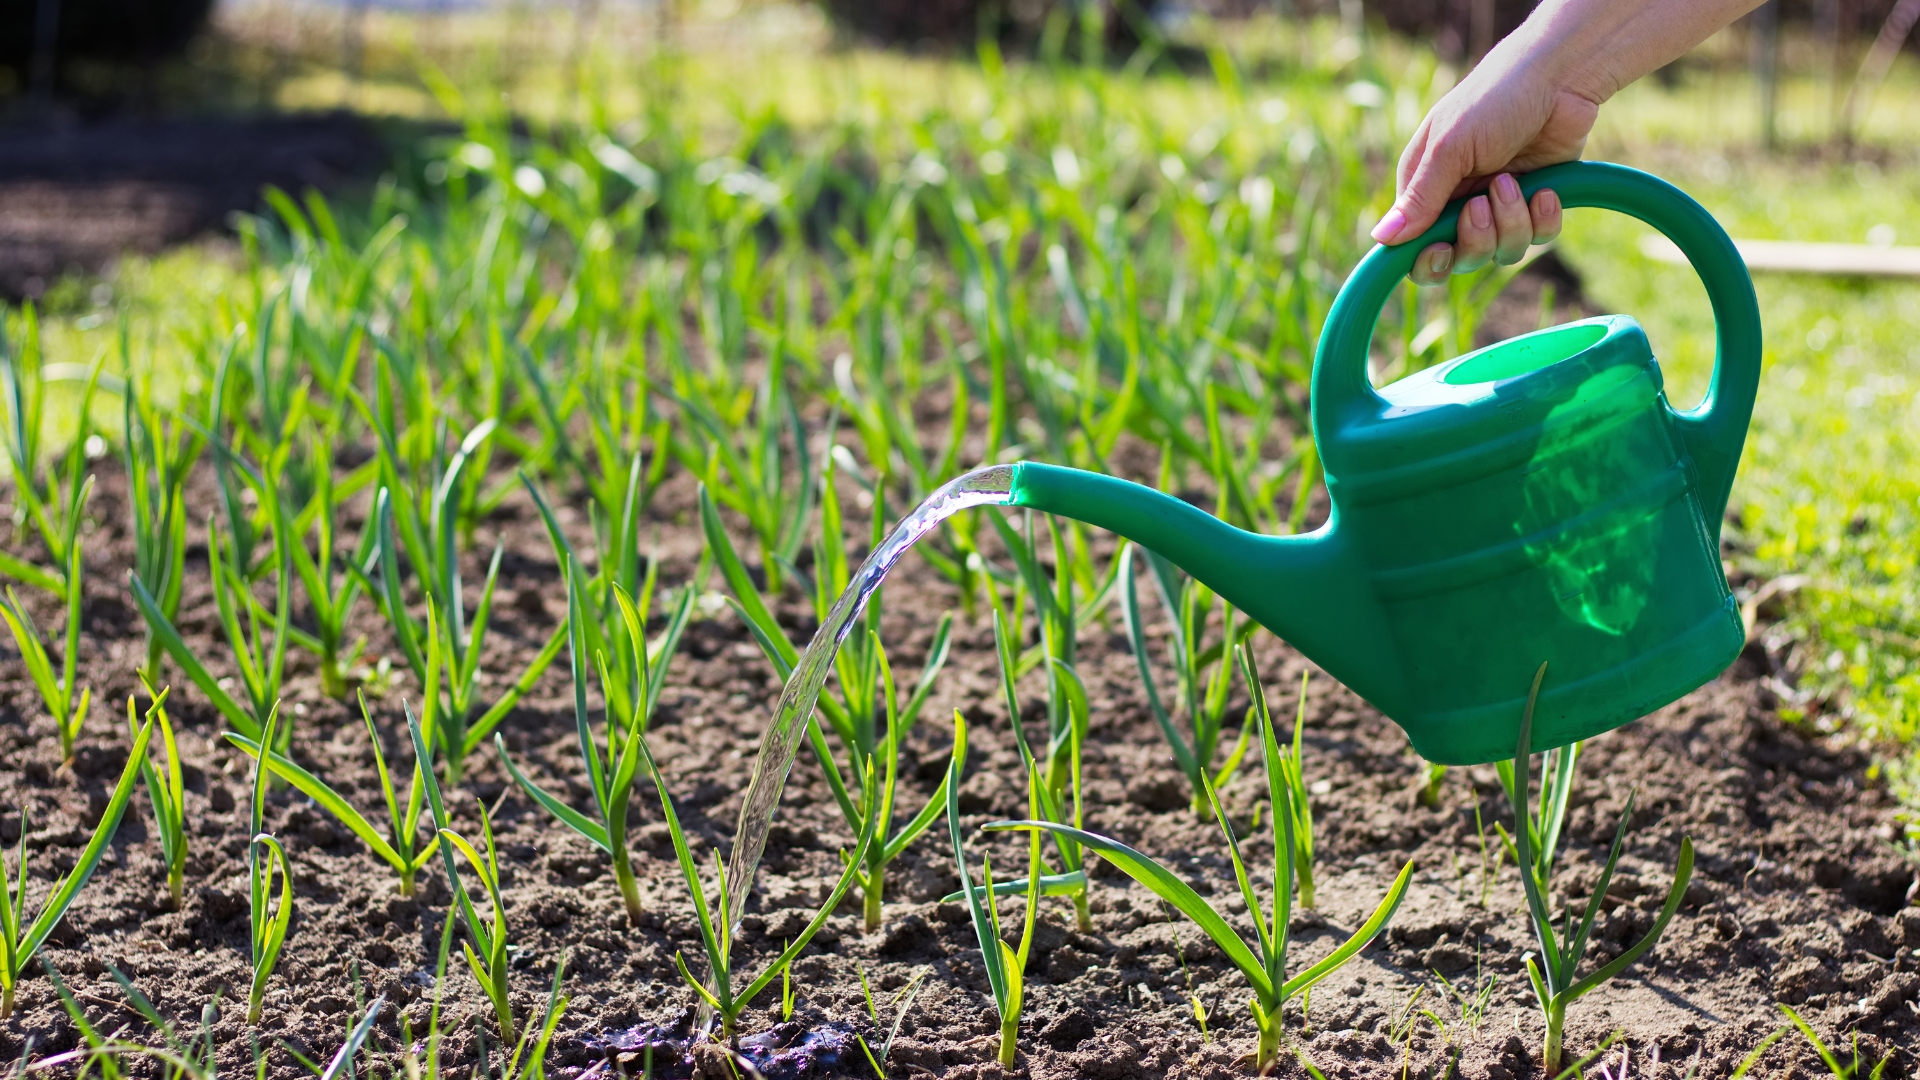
{"points": [[1797, 896]]}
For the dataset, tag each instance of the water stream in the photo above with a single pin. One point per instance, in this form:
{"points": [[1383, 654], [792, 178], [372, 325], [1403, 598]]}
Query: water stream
{"points": [[991, 486]]}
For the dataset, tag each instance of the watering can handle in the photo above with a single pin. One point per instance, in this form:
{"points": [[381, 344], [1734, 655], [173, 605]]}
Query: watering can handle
{"points": [[1714, 431]]}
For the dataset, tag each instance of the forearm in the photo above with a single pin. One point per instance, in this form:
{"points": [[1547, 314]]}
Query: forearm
{"points": [[1595, 47]]}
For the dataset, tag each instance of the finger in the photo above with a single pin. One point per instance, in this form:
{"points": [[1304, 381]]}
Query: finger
{"points": [[1411, 157], [1545, 211], [1433, 266], [1474, 249], [1424, 194], [1512, 223]]}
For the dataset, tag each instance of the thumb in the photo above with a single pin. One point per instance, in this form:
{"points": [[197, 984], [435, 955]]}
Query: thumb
{"points": [[1435, 177]]}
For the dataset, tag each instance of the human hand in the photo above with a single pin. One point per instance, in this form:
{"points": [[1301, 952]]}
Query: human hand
{"points": [[1502, 118]]}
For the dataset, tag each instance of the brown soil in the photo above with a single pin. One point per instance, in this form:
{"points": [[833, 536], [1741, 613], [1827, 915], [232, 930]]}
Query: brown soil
{"points": [[74, 196], [1798, 896]]}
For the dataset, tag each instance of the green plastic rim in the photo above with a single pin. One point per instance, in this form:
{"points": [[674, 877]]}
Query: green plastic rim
{"points": [[1523, 355]]}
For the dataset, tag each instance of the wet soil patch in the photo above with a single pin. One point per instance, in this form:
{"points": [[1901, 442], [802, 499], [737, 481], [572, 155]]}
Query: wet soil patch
{"points": [[1798, 895]]}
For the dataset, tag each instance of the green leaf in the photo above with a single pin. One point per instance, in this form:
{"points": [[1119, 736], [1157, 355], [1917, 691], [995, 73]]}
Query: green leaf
{"points": [[744, 591], [76, 879], [20, 569], [162, 629], [1050, 885], [1164, 884], [478, 731], [983, 925], [1137, 639], [1361, 937], [1682, 874], [573, 819], [330, 800], [276, 928]]}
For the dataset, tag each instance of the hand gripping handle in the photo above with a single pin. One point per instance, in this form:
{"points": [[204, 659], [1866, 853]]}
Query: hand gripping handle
{"points": [[1713, 432]]}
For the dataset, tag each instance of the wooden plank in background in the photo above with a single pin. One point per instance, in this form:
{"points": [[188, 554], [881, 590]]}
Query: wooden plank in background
{"points": [[1794, 257]]}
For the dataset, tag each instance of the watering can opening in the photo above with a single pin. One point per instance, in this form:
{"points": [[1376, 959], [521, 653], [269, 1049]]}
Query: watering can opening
{"points": [[1519, 356], [1536, 500]]}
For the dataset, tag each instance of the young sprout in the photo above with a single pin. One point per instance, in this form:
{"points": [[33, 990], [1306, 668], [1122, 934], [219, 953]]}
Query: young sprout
{"points": [[604, 628], [1264, 964], [716, 936], [1071, 879], [723, 440], [424, 507], [56, 515], [1848, 1071], [267, 921], [1554, 971], [447, 644], [400, 848], [1202, 693], [1471, 1006], [1432, 778], [1489, 864], [19, 938], [612, 772], [191, 1057], [1292, 776], [528, 1060], [159, 451], [490, 971], [421, 1058], [903, 1001], [869, 735], [1006, 966], [104, 1052], [259, 648], [1064, 684], [166, 789], [68, 709], [1400, 1029], [332, 595]]}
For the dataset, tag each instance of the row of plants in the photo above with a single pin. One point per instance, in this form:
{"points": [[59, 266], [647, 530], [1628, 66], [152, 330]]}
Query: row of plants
{"points": [[584, 314]]}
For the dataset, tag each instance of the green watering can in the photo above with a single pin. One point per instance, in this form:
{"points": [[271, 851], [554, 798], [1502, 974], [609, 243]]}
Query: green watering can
{"points": [[1537, 500]]}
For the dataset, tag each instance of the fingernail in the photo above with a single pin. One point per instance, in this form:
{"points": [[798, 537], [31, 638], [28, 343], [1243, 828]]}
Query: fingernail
{"points": [[1507, 188], [1549, 202], [1480, 211], [1442, 261], [1390, 225]]}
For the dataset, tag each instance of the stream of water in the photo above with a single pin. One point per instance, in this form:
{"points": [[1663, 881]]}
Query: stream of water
{"points": [[992, 486]]}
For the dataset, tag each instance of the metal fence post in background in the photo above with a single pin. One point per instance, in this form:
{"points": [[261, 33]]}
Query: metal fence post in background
{"points": [[46, 44], [1766, 69]]}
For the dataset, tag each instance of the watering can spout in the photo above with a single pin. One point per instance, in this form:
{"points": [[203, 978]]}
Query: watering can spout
{"points": [[1309, 589]]}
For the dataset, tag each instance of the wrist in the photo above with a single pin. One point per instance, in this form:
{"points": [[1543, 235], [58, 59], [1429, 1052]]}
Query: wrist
{"points": [[1563, 47]]}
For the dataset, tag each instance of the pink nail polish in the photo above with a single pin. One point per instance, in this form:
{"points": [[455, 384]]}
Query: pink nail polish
{"points": [[1480, 212], [1507, 188], [1549, 202], [1390, 225]]}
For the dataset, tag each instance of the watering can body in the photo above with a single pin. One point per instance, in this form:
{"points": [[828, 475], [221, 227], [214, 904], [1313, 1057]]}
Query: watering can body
{"points": [[1538, 500]]}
